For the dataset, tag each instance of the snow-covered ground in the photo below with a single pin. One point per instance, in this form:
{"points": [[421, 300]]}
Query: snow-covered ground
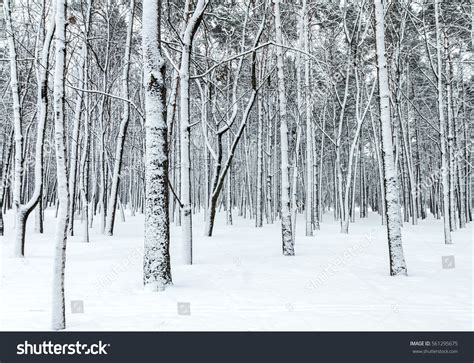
{"points": [[241, 281]]}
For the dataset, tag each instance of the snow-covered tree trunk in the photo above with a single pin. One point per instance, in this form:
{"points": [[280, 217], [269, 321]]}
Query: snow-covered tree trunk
{"points": [[319, 204], [360, 116], [58, 305], [123, 126], [442, 130], [298, 118], [222, 169], [343, 213], [378, 154], [269, 169], [75, 141], [229, 219], [43, 101], [84, 177], [397, 259], [4, 180], [24, 210], [85, 161], [286, 229], [102, 197], [345, 221], [17, 126], [259, 199], [185, 130], [156, 265], [294, 181], [309, 210], [451, 139]]}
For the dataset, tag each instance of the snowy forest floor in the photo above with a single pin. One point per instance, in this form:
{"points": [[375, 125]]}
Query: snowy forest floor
{"points": [[241, 281]]}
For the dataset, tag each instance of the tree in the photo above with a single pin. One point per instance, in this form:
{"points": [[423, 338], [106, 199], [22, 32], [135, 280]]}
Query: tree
{"points": [[397, 259], [24, 210], [18, 123], [221, 168], [123, 126], [192, 24], [156, 265], [442, 130], [286, 230], [59, 311]]}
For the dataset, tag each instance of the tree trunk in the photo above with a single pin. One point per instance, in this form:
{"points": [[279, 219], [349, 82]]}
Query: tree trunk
{"points": [[59, 311], [397, 259], [112, 205], [286, 230], [156, 265], [17, 123], [259, 199], [442, 131], [190, 30]]}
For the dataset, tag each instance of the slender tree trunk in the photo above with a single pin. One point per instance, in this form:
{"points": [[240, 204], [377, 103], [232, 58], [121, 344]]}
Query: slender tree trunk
{"points": [[123, 127], [294, 186], [451, 130], [85, 157], [185, 134], [259, 199], [309, 132], [17, 126], [397, 259], [6, 156], [286, 230], [442, 130], [75, 141], [59, 311]]}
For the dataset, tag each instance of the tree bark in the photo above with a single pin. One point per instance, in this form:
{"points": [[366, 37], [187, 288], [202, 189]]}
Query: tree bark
{"points": [[156, 265], [59, 311], [112, 207], [397, 259], [286, 229]]}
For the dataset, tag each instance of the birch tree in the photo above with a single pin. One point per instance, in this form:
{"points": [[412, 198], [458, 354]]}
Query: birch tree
{"points": [[58, 305], [156, 266], [17, 122], [442, 130], [192, 25], [285, 213], [397, 259], [123, 126]]}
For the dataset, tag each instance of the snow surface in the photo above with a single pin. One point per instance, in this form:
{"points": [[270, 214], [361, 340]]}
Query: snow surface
{"points": [[241, 281]]}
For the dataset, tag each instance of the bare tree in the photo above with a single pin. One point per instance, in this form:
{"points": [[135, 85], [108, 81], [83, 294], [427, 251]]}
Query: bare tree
{"points": [[156, 267], [397, 259]]}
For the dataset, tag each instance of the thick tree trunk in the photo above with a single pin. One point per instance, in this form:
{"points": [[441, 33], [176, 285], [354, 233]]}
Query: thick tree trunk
{"points": [[156, 265]]}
